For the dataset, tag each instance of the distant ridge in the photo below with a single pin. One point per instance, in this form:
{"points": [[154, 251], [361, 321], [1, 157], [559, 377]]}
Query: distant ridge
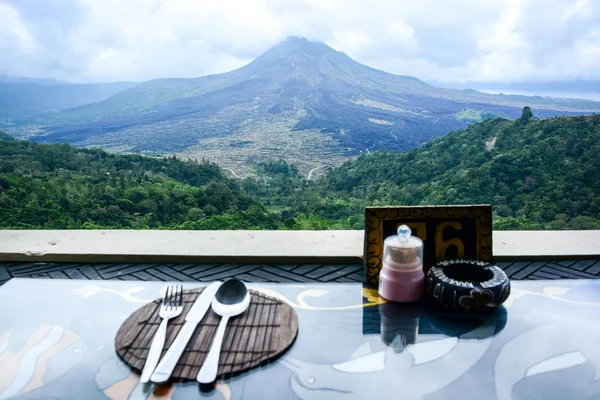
{"points": [[25, 98]]}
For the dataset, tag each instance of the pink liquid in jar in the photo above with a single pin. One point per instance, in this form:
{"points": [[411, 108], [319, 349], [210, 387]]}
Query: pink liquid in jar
{"points": [[401, 282]]}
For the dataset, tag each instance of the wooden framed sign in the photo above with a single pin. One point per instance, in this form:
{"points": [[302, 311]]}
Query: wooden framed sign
{"points": [[448, 232]]}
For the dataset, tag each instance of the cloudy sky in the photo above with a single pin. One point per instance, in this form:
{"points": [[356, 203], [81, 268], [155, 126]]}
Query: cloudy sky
{"points": [[439, 40]]}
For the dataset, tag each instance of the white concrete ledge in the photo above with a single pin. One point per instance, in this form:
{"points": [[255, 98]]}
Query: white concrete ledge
{"points": [[181, 246], [256, 246], [540, 245]]}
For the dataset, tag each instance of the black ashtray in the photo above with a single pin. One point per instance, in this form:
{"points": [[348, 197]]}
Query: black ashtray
{"points": [[467, 285]]}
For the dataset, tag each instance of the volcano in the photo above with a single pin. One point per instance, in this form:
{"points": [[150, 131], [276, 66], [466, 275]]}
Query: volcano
{"points": [[301, 101]]}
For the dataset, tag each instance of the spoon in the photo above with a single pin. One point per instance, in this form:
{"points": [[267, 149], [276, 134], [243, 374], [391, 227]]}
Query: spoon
{"points": [[231, 299]]}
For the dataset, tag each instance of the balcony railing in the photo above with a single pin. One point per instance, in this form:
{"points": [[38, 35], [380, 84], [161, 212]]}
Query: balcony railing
{"points": [[101, 246]]}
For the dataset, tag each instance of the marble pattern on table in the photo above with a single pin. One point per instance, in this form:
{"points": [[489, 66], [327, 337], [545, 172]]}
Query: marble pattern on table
{"points": [[57, 341]]}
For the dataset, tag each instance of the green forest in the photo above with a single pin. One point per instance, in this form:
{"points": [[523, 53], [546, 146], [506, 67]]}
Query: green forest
{"points": [[537, 174], [63, 187]]}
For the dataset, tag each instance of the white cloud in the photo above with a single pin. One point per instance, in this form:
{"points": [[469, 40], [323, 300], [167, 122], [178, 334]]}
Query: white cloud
{"points": [[16, 42], [107, 40]]}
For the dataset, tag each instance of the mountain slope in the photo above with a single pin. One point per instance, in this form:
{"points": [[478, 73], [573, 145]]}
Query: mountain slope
{"points": [[537, 174], [301, 101], [17, 99]]}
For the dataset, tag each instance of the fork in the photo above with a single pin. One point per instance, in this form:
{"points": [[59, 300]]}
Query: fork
{"points": [[171, 307]]}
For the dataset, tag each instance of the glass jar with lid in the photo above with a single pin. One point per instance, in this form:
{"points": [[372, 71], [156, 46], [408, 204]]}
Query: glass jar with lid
{"points": [[402, 278]]}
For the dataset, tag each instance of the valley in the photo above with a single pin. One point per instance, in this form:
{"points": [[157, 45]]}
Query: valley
{"points": [[537, 173]]}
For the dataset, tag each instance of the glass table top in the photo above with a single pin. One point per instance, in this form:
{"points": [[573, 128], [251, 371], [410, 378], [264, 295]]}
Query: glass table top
{"points": [[57, 341]]}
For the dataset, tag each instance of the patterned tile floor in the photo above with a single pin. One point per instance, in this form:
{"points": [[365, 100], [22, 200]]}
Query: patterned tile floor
{"points": [[563, 269]]}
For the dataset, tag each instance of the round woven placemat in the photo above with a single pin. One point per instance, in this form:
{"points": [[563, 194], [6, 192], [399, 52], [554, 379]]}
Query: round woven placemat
{"points": [[263, 332]]}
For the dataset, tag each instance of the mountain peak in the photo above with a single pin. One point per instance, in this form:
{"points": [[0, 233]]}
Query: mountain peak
{"points": [[296, 40], [298, 43], [295, 52]]}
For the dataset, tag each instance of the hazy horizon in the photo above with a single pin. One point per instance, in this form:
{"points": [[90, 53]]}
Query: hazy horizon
{"points": [[594, 96]]}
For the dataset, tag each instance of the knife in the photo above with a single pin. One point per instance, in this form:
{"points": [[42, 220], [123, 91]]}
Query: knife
{"points": [[166, 366]]}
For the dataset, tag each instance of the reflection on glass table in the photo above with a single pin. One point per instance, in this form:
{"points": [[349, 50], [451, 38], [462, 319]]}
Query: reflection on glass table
{"points": [[57, 341]]}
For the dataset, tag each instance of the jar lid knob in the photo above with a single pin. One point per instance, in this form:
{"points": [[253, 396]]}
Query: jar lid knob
{"points": [[404, 233]]}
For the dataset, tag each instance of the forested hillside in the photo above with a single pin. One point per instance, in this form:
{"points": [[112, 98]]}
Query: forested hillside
{"points": [[59, 186], [538, 174]]}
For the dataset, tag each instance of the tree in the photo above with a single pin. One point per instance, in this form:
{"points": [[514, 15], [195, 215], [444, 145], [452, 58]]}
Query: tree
{"points": [[195, 214], [526, 115]]}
